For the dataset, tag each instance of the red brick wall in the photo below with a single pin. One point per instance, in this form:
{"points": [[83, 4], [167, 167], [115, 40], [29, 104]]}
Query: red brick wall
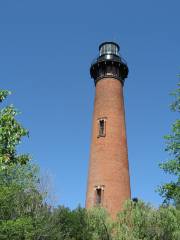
{"points": [[108, 156]]}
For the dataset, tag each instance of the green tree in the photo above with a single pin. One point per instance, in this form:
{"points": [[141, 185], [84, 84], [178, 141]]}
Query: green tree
{"points": [[11, 133], [23, 213], [141, 221], [69, 224], [171, 191], [100, 224], [79, 224]]}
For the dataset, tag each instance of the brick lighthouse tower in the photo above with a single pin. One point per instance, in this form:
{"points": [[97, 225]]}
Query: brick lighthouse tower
{"points": [[108, 180]]}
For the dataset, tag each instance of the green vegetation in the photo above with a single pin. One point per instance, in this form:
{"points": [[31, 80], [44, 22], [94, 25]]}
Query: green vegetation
{"points": [[171, 191], [141, 221], [21, 203], [25, 215], [11, 133]]}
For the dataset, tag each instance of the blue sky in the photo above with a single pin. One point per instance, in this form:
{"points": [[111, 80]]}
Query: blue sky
{"points": [[46, 48]]}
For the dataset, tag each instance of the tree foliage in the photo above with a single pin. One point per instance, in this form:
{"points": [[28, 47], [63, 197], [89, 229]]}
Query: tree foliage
{"points": [[171, 191], [22, 210], [11, 133], [141, 221]]}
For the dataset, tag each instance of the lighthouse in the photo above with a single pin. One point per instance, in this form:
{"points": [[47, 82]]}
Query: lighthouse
{"points": [[108, 176]]}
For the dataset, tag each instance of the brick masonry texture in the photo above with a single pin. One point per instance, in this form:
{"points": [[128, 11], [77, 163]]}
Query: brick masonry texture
{"points": [[108, 164]]}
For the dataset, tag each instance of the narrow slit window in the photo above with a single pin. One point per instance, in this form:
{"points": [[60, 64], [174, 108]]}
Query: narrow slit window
{"points": [[98, 196], [102, 128]]}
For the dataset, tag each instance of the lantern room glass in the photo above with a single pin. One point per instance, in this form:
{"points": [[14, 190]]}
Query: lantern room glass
{"points": [[109, 48]]}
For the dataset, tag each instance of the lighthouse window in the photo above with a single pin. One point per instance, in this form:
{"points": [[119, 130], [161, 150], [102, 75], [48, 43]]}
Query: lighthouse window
{"points": [[102, 128], [98, 196]]}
